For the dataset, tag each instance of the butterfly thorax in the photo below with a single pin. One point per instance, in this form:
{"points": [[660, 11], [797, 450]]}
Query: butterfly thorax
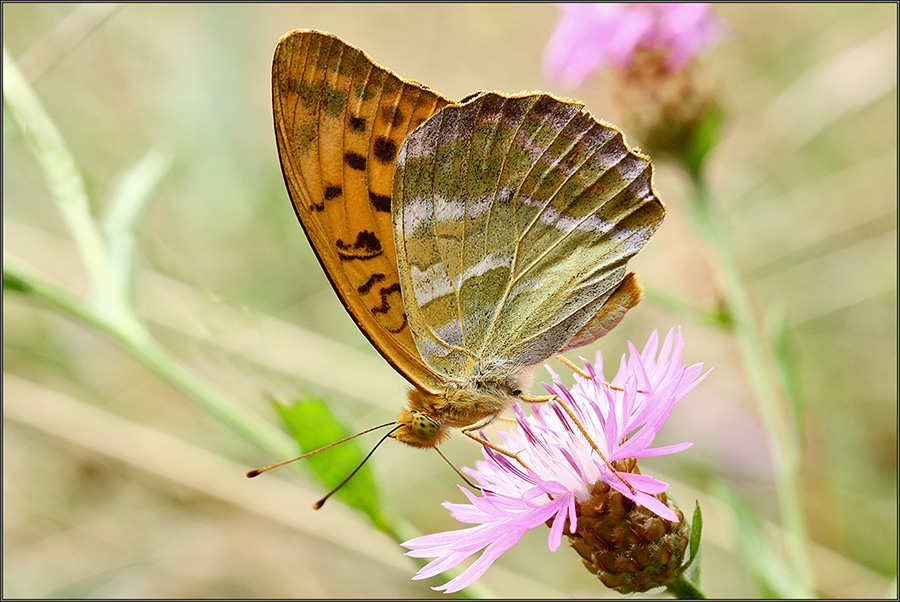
{"points": [[427, 420]]}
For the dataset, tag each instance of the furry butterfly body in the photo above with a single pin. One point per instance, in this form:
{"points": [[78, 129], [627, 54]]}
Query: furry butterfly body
{"points": [[469, 241]]}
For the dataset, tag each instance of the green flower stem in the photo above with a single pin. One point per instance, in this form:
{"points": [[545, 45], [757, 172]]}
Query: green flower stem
{"points": [[776, 416], [683, 589], [135, 339]]}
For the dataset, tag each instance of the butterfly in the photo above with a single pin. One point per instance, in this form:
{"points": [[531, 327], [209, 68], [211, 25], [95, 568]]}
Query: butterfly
{"points": [[469, 241]]}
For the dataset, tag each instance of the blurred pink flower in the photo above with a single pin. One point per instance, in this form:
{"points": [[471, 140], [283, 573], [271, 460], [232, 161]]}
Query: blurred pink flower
{"points": [[588, 35], [562, 466]]}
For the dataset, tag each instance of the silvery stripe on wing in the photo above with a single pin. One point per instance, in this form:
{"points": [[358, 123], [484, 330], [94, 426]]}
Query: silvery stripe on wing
{"points": [[449, 333], [494, 259], [610, 156], [566, 223], [528, 144], [636, 236], [524, 286], [438, 208], [441, 341], [630, 170], [504, 195], [433, 282], [416, 212], [429, 347], [447, 209], [476, 207], [429, 284]]}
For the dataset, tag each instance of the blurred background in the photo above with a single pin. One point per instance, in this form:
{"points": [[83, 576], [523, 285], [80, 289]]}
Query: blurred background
{"points": [[114, 485]]}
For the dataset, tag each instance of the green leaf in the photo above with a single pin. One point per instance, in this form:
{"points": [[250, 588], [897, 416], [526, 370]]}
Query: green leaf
{"points": [[312, 425], [686, 584], [693, 575]]}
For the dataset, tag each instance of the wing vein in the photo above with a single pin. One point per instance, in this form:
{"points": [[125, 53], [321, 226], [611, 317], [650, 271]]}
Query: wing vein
{"points": [[489, 331], [502, 302]]}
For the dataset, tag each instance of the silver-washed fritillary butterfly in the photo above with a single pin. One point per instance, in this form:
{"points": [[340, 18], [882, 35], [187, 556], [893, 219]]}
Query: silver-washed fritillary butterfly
{"points": [[469, 240]]}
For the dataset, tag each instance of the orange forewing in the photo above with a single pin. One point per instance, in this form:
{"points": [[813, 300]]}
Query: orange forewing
{"points": [[339, 122]]}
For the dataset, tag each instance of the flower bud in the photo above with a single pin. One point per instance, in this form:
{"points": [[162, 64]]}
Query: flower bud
{"points": [[663, 108], [627, 546]]}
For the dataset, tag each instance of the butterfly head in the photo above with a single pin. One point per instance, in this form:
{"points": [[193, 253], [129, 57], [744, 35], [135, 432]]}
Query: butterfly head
{"points": [[419, 424]]}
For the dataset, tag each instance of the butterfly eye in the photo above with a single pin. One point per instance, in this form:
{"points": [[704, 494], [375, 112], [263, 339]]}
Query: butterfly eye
{"points": [[423, 426]]}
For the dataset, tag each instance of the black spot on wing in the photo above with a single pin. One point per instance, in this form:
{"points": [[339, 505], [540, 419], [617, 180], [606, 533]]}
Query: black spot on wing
{"points": [[385, 293], [290, 85], [385, 149], [366, 246], [357, 124], [332, 192], [355, 160], [392, 115], [365, 288], [380, 202]]}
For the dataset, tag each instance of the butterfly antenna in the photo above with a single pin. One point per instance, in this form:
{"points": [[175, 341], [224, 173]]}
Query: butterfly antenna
{"points": [[321, 502], [259, 471], [456, 470]]}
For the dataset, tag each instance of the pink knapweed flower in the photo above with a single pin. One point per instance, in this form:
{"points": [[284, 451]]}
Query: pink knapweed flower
{"points": [[562, 466], [589, 35]]}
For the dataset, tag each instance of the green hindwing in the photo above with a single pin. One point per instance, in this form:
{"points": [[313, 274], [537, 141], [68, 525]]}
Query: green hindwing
{"points": [[514, 217]]}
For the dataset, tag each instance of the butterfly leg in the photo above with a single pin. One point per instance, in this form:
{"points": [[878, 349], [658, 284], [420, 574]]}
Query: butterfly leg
{"points": [[468, 432], [536, 398], [584, 374], [575, 368]]}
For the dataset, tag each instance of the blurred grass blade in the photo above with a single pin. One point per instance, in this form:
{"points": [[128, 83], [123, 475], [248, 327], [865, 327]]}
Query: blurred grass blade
{"points": [[130, 197], [786, 365], [312, 424], [13, 281], [68, 33], [716, 318], [60, 170], [767, 565]]}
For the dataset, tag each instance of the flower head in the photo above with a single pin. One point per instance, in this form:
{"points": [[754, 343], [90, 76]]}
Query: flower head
{"points": [[589, 35], [554, 467]]}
